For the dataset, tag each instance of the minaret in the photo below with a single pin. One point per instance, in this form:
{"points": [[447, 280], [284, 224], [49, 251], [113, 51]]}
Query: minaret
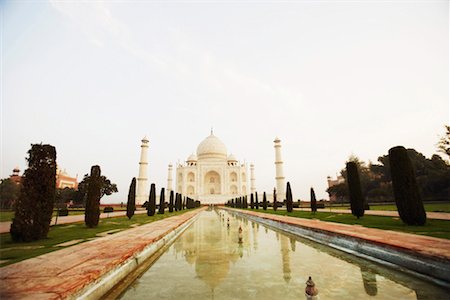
{"points": [[169, 179], [279, 175], [142, 188], [252, 178]]}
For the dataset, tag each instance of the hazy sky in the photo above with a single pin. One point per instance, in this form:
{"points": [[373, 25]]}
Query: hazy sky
{"points": [[330, 78]]}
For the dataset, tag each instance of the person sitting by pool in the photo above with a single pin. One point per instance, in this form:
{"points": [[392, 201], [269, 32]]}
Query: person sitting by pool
{"points": [[311, 291]]}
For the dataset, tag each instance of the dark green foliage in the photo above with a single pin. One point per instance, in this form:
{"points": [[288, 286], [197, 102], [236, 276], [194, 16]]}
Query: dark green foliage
{"points": [[354, 190], [171, 201], [108, 209], [151, 205], [9, 193], [179, 202], [197, 203], [183, 206], [93, 195], [289, 202], [275, 203], [232, 203], [106, 188], [161, 202], [264, 204], [313, 201], [63, 212], [256, 200], [131, 203], [34, 207], [252, 202], [406, 191]]}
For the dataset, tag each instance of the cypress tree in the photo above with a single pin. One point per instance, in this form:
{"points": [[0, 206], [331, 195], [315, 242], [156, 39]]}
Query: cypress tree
{"points": [[180, 203], [406, 191], [246, 201], [183, 205], [354, 190], [171, 204], [161, 202], [252, 202], [275, 204], [264, 201], [256, 200], [289, 202], [92, 211], [313, 201], [232, 203], [151, 206], [34, 206], [131, 203]]}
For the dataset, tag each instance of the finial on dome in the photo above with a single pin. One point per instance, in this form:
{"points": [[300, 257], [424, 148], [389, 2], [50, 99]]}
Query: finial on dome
{"points": [[212, 130]]}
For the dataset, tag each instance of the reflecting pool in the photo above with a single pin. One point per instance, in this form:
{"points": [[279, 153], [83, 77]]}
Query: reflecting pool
{"points": [[208, 261]]}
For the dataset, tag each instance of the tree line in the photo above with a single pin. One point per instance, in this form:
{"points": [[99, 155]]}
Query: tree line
{"points": [[37, 195]]}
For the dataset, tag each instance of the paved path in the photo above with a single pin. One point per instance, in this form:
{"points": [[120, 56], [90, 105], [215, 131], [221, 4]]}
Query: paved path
{"points": [[425, 245], [5, 226], [59, 274]]}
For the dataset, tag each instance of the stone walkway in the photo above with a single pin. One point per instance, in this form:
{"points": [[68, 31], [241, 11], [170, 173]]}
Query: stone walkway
{"points": [[5, 226], [425, 245], [62, 273]]}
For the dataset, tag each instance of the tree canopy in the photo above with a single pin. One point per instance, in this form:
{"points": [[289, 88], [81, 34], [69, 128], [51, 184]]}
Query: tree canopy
{"points": [[106, 188]]}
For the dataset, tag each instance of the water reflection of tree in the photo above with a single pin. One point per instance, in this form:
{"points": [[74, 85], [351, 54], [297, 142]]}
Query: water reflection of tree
{"points": [[369, 280], [285, 257]]}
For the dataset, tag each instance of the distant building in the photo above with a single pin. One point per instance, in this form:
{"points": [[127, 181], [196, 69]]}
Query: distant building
{"points": [[332, 182], [63, 179], [15, 177]]}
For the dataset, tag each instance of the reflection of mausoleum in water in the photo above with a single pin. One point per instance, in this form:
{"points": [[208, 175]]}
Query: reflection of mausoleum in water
{"points": [[212, 176]]}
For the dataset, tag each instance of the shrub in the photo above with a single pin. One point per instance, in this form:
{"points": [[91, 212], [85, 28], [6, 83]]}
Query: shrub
{"points": [[161, 202], [151, 207], [63, 212], [256, 200], [108, 209], [171, 200], [252, 202], [264, 204], [34, 207], [354, 190], [289, 202], [313, 201], [275, 204], [92, 212], [406, 191], [131, 203]]}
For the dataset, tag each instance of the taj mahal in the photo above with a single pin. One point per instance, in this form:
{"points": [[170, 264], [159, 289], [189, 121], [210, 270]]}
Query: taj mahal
{"points": [[212, 175]]}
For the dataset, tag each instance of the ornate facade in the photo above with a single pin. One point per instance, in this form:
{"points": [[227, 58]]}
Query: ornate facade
{"points": [[212, 176]]}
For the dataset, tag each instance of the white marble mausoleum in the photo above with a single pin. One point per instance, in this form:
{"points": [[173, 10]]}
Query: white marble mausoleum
{"points": [[212, 175]]}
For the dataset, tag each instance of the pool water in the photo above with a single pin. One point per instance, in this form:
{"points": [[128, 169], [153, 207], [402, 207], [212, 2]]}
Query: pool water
{"points": [[208, 262]]}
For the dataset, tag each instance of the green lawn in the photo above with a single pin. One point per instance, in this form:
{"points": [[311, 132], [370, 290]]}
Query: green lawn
{"points": [[7, 215], [429, 207], [14, 252], [435, 228]]}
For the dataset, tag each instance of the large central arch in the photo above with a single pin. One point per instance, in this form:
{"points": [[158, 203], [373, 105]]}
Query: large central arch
{"points": [[212, 183]]}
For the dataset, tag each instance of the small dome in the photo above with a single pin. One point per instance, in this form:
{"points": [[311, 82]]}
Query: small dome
{"points": [[232, 158], [192, 157], [212, 147]]}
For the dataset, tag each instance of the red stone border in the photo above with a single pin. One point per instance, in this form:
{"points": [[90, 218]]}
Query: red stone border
{"points": [[64, 273], [424, 245]]}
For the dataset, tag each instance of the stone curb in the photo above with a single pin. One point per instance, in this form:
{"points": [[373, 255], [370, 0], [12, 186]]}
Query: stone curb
{"points": [[105, 283], [426, 267]]}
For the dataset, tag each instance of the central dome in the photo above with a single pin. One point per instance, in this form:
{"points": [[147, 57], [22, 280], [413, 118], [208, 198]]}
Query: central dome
{"points": [[212, 147]]}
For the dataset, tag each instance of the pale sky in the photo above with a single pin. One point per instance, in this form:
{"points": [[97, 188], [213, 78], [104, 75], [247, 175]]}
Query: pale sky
{"points": [[330, 78]]}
